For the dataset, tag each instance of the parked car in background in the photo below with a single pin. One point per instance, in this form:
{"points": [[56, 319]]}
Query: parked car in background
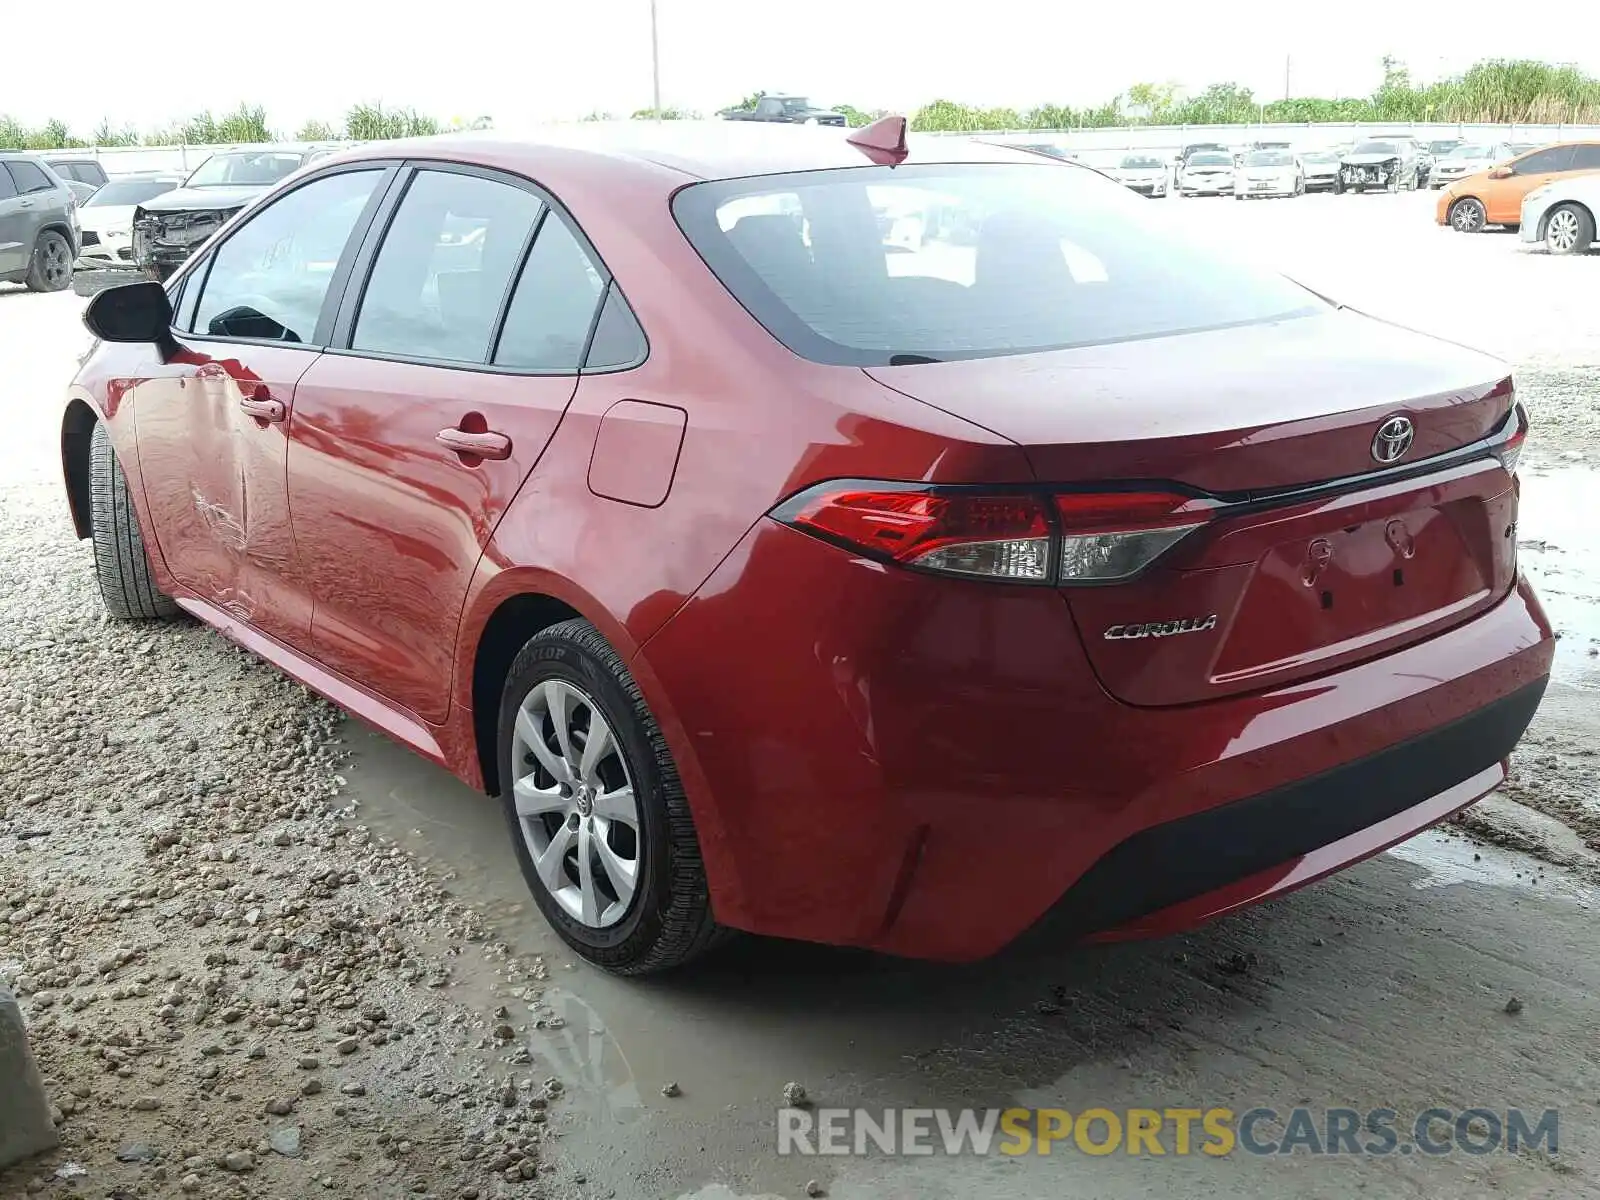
{"points": [[1181, 581], [1441, 147], [1142, 173], [87, 173], [1207, 173], [1468, 159], [106, 218], [1320, 169], [1494, 197], [785, 110], [1387, 164], [38, 224], [1563, 213], [1267, 173], [1194, 148], [168, 228]]}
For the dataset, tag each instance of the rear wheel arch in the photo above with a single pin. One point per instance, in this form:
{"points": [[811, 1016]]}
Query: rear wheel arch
{"points": [[77, 432], [508, 628]]}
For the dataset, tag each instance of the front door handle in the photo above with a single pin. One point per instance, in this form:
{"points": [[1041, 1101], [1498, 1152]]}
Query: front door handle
{"points": [[260, 405], [481, 445]]}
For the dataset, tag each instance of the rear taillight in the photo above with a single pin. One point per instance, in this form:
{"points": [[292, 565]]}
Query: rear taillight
{"points": [[1509, 449], [954, 532], [1022, 537], [1107, 536]]}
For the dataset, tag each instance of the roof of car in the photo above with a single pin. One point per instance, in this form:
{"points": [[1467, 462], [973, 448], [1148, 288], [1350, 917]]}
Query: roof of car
{"points": [[697, 149]]}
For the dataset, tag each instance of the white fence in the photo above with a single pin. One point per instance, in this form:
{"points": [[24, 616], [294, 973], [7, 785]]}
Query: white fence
{"points": [[122, 160]]}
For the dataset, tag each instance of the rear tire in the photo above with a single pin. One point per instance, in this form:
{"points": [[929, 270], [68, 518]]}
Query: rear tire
{"points": [[51, 268], [1569, 229], [121, 565], [666, 919]]}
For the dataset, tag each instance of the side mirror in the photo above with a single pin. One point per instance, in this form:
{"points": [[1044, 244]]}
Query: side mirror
{"points": [[1501, 173], [131, 312]]}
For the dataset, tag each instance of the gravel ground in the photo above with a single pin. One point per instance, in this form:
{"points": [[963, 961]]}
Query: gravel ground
{"points": [[233, 989], [236, 989]]}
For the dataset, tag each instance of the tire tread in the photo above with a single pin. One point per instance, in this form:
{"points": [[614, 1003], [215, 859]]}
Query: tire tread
{"points": [[688, 927], [122, 567]]}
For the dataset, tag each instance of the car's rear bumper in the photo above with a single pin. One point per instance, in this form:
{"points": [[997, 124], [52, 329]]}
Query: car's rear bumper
{"points": [[929, 766], [1175, 875]]}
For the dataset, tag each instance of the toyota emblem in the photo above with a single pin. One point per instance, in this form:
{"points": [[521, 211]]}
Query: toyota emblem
{"points": [[1392, 440]]}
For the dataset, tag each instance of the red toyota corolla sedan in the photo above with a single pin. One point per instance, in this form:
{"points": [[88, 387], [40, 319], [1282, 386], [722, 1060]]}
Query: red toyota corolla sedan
{"points": [[880, 545]]}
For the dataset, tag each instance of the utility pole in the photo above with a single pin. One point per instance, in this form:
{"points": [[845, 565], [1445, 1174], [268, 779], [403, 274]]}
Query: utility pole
{"points": [[655, 64], [1286, 60]]}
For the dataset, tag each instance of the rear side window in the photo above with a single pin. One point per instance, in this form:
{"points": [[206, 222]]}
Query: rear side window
{"points": [[618, 340], [269, 278], [552, 311], [1586, 158], [444, 268], [871, 266], [7, 188], [28, 177]]}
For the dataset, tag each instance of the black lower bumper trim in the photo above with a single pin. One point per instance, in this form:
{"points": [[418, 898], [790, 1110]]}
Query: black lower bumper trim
{"points": [[1168, 864]]}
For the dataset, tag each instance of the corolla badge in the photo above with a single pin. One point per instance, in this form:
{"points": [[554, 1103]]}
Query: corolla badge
{"points": [[1161, 629], [1392, 440]]}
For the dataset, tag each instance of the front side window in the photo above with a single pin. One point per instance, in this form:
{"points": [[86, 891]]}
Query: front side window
{"points": [[967, 261], [1586, 158], [442, 272], [269, 279], [552, 310], [1541, 162]]}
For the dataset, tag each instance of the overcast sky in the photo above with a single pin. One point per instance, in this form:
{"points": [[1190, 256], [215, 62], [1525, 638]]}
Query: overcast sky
{"points": [[533, 61]]}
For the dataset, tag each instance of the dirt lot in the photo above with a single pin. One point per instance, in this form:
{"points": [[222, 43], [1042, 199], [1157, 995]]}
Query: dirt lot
{"points": [[265, 953]]}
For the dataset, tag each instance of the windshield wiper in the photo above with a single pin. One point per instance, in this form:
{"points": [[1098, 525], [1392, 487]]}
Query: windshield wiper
{"points": [[911, 360]]}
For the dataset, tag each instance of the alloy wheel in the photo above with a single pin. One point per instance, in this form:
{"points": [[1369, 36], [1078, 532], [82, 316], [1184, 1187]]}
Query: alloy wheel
{"points": [[1467, 216], [56, 268], [575, 804], [1561, 235]]}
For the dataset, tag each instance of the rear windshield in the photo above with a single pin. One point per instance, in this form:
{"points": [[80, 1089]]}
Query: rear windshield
{"points": [[129, 191], [872, 266]]}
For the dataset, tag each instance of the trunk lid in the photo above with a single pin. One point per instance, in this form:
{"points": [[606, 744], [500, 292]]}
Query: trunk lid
{"points": [[1285, 587]]}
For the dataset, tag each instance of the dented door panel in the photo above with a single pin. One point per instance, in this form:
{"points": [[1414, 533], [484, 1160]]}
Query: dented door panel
{"points": [[212, 435]]}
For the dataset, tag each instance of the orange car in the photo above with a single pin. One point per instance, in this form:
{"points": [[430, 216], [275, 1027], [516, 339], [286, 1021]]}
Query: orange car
{"points": [[1494, 197]]}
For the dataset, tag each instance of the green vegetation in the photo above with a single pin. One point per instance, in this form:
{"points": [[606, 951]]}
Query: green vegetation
{"points": [[245, 124], [1496, 90]]}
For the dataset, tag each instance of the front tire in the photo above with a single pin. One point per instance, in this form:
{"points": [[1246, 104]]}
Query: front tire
{"points": [[51, 267], [1468, 215], [598, 818], [1569, 229], [121, 565]]}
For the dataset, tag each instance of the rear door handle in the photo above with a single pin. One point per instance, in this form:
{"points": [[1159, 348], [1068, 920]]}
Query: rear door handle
{"points": [[260, 405], [482, 445]]}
